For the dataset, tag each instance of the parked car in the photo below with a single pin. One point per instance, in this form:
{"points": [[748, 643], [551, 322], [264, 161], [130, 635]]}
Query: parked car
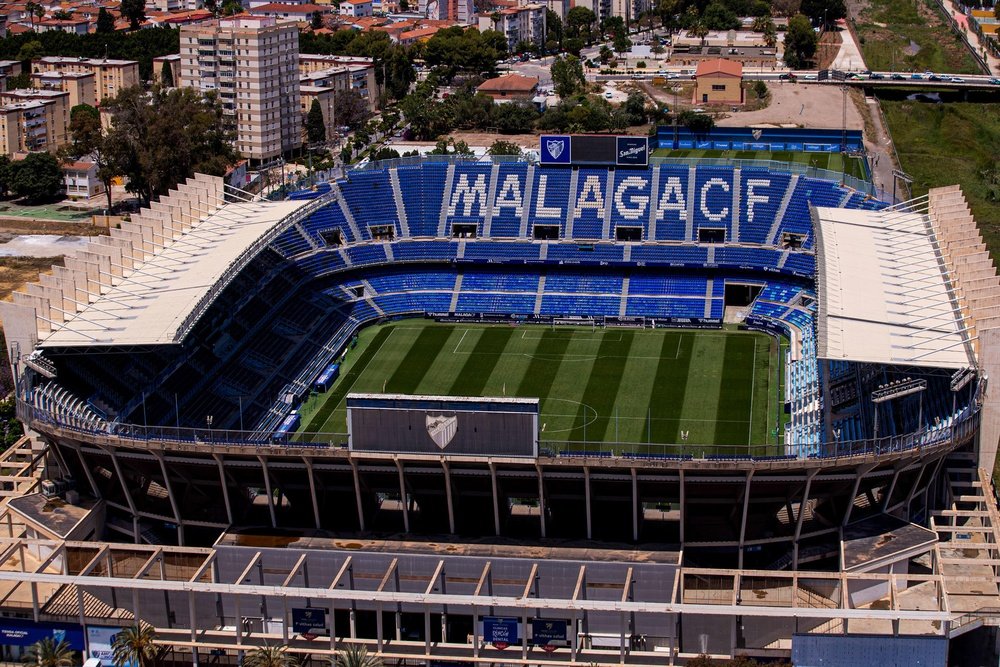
{"points": [[957, 79], [897, 76]]}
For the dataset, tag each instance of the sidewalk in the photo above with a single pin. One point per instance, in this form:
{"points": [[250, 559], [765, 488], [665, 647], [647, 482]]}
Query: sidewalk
{"points": [[849, 58], [963, 23]]}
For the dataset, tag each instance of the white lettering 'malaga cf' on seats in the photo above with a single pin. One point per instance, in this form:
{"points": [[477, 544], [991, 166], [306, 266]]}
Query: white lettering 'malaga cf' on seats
{"points": [[635, 207], [715, 216], [752, 198], [630, 200], [468, 195]]}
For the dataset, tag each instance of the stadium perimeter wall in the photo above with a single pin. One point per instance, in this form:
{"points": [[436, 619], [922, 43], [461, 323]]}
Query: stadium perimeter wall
{"points": [[977, 290]]}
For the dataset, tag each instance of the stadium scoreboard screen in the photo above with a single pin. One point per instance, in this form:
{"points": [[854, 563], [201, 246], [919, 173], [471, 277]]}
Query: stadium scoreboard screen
{"points": [[594, 149], [442, 425]]}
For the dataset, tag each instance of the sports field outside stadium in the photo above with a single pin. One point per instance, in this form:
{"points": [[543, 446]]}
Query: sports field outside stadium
{"points": [[838, 162], [596, 385]]}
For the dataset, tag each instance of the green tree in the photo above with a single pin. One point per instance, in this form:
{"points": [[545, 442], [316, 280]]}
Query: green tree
{"points": [[760, 90], [355, 656], [5, 174], [316, 22], [134, 11], [718, 16], [580, 23], [167, 75], [105, 22], [37, 177], [512, 117], [84, 129], [385, 153], [800, 42], [30, 51], [404, 6], [567, 76], [19, 81], [268, 656], [349, 109], [136, 645], [458, 50], [49, 653], [698, 123], [162, 137], [501, 147], [12, 428], [824, 12], [553, 28], [315, 124], [62, 15], [605, 54], [35, 10]]}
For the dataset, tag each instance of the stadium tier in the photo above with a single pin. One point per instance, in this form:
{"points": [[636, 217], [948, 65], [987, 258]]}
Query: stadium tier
{"points": [[463, 411], [220, 375]]}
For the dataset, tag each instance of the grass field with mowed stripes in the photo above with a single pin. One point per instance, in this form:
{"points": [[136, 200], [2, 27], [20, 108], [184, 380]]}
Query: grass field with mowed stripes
{"points": [[613, 385]]}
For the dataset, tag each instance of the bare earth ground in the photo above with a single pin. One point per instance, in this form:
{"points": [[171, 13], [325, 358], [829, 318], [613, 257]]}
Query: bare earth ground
{"points": [[799, 105], [826, 52], [16, 271], [16, 226]]}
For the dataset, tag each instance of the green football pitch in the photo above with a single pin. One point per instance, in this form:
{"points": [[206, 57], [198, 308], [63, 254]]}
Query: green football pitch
{"points": [[852, 166], [597, 386]]}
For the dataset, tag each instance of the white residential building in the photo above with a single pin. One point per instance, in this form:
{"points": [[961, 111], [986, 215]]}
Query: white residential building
{"points": [[253, 64]]}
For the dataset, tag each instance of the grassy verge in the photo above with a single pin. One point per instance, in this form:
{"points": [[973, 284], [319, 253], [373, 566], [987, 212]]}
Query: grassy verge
{"points": [[943, 144], [913, 36]]}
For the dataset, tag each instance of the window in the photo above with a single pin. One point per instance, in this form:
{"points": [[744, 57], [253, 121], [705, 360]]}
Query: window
{"points": [[718, 87]]}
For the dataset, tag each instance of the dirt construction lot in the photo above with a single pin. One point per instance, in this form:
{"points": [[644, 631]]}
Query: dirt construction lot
{"points": [[799, 105]]}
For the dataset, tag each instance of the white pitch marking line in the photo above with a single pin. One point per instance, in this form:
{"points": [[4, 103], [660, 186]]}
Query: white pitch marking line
{"points": [[753, 382], [464, 333]]}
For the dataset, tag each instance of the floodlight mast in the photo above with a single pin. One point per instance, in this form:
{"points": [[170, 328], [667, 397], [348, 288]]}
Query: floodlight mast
{"points": [[898, 389]]}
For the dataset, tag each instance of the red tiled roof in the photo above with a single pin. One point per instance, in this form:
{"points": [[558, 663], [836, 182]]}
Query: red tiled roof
{"points": [[719, 66], [510, 83]]}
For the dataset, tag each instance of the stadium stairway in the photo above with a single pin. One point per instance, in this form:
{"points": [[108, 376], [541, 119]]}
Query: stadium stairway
{"points": [[968, 547]]}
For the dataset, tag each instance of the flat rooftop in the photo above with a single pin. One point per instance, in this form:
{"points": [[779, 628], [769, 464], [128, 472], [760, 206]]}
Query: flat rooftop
{"points": [[550, 550], [151, 304], [884, 291]]}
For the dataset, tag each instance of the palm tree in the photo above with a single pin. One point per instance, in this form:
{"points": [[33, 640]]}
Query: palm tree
{"points": [[268, 656], [34, 10], [355, 656], [136, 645], [48, 653]]}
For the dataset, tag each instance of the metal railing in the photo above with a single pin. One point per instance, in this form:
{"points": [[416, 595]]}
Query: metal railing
{"points": [[244, 258], [144, 436]]}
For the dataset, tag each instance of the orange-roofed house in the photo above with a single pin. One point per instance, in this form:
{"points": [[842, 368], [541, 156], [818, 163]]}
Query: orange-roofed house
{"points": [[356, 8], [510, 87], [719, 81]]}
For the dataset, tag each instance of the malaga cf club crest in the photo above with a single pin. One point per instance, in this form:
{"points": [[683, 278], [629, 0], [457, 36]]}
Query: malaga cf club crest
{"points": [[442, 429], [555, 149]]}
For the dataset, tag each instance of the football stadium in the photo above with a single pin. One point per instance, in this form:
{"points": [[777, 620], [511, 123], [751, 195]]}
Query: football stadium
{"points": [[597, 408]]}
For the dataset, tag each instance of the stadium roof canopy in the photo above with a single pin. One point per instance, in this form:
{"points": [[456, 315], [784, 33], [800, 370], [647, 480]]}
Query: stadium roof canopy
{"points": [[884, 291], [159, 301]]}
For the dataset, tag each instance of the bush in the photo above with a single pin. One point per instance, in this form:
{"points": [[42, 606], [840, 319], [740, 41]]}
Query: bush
{"points": [[641, 64]]}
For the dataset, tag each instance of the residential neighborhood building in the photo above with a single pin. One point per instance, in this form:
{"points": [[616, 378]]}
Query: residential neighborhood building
{"points": [[80, 179], [253, 64], [718, 81], [301, 13], [357, 77], [356, 8], [173, 61], [8, 69], [72, 25], [110, 76], [81, 86], [510, 87], [33, 120], [525, 23]]}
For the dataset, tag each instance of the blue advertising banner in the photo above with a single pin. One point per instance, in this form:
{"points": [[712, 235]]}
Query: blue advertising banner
{"points": [[308, 621], [685, 143], [706, 145], [555, 149], [796, 148], [16, 632], [814, 148], [632, 151], [501, 631], [545, 632]]}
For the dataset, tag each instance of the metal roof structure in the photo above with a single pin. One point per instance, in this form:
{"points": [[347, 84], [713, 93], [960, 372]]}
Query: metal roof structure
{"points": [[885, 295], [158, 301]]}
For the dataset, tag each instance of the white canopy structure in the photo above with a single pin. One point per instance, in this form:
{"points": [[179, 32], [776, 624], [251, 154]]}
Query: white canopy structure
{"points": [[885, 295]]}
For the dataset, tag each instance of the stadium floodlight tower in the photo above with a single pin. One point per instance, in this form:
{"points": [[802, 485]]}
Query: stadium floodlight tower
{"points": [[898, 389]]}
